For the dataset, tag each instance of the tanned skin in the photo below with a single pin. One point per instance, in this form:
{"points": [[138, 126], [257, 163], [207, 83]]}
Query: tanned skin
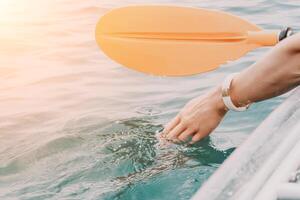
{"points": [[276, 73]]}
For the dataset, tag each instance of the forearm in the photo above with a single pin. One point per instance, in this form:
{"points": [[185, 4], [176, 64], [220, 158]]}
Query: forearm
{"points": [[275, 74]]}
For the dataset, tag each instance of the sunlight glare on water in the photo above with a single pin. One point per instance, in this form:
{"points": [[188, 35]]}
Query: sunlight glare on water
{"points": [[76, 125]]}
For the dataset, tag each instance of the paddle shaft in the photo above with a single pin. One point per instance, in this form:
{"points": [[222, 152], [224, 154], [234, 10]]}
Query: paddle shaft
{"points": [[268, 38]]}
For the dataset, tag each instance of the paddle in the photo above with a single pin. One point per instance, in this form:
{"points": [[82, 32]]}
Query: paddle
{"points": [[176, 41]]}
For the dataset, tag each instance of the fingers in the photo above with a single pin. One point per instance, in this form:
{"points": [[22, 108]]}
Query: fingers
{"points": [[175, 131], [186, 134], [171, 125], [197, 137], [178, 131]]}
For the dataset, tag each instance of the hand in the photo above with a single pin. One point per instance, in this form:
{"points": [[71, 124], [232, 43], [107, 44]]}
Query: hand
{"points": [[197, 119]]}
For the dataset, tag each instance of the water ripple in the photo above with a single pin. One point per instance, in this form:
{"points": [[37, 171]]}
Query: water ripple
{"points": [[76, 125]]}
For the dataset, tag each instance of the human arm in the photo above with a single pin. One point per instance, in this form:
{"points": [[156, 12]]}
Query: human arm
{"points": [[276, 73]]}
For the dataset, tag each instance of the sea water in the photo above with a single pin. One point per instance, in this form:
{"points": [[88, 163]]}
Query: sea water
{"points": [[76, 125]]}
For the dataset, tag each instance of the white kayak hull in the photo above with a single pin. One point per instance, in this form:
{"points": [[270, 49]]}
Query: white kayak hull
{"points": [[261, 167]]}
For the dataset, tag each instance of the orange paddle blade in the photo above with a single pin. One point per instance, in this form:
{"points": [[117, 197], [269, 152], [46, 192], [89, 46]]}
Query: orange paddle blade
{"points": [[176, 41]]}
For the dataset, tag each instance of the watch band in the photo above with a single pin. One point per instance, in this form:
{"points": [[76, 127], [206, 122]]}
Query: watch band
{"points": [[226, 95]]}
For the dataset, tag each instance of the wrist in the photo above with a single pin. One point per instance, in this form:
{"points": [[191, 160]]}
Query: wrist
{"points": [[218, 101]]}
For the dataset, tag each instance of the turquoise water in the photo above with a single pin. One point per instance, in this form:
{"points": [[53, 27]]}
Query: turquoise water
{"points": [[76, 125]]}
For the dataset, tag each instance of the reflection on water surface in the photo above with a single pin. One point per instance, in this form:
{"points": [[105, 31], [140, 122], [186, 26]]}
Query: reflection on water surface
{"points": [[76, 125]]}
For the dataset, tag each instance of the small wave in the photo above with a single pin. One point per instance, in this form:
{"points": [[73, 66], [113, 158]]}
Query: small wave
{"points": [[52, 147]]}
